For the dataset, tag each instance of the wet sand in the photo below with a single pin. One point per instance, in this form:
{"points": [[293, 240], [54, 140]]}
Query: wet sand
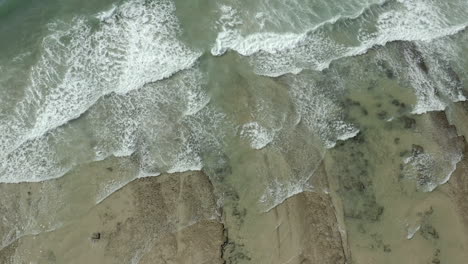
{"points": [[166, 219]]}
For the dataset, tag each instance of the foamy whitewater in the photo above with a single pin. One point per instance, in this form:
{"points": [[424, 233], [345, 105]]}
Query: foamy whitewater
{"points": [[134, 44], [127, 81], [274, 54]]}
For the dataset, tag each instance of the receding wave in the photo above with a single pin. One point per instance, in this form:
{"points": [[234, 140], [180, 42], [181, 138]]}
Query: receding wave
{"points": [[131, 45], [170, 116], [275, 54]]}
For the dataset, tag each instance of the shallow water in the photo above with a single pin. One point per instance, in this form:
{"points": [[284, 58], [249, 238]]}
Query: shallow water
{"points": [[260, 95]]}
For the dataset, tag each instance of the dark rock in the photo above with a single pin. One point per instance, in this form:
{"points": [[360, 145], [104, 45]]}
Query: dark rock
{"points": [[395, 102], [408, 123], [454, 75], [110, 169], [389, 74], [431, 231], [422, 65], [429, 211], [351, 102], [423, 179], [359, 138], [361, 187], [380, 211], [417, 150], [396, 140], [387, 248], [428, 231], [417, 56], [223, 171], [382, 115], [364, 111], [96, 236]]}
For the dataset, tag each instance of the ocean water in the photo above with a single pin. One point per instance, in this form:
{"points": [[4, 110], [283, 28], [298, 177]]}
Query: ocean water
{"points": [[216, 85]]}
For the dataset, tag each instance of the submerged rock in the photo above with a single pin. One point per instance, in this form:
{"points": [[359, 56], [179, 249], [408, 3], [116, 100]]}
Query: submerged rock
{"points": [[96, 236]]}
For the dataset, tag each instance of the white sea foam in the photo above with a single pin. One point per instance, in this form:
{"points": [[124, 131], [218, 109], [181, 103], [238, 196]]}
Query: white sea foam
{"points": [[155, 123], [425, 90], [150, 124], [432, 170], [278, 192], [187, 160], [196, 101], [107, 14], [275, 54], [320, 109], [429, 69], [411, 231], [111, 188], [134, 44], [33, 162], [258, 136], [437, 88], [280, 188]]}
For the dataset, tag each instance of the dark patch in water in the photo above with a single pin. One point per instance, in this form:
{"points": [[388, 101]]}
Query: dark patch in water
{"points": [[423, 66], [408, 122], [359, 138], [233, 252], [217, 165], [387, 249], [429, 212], [379, 243], [429, 232], [96, 236], [416, 150], [364, 111], [386, 68], [453, 75], [382, 115], [435, 259], [372, 85], [355, 173], [417, 56], [351, 102], [389, 74], [395, 102]]}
